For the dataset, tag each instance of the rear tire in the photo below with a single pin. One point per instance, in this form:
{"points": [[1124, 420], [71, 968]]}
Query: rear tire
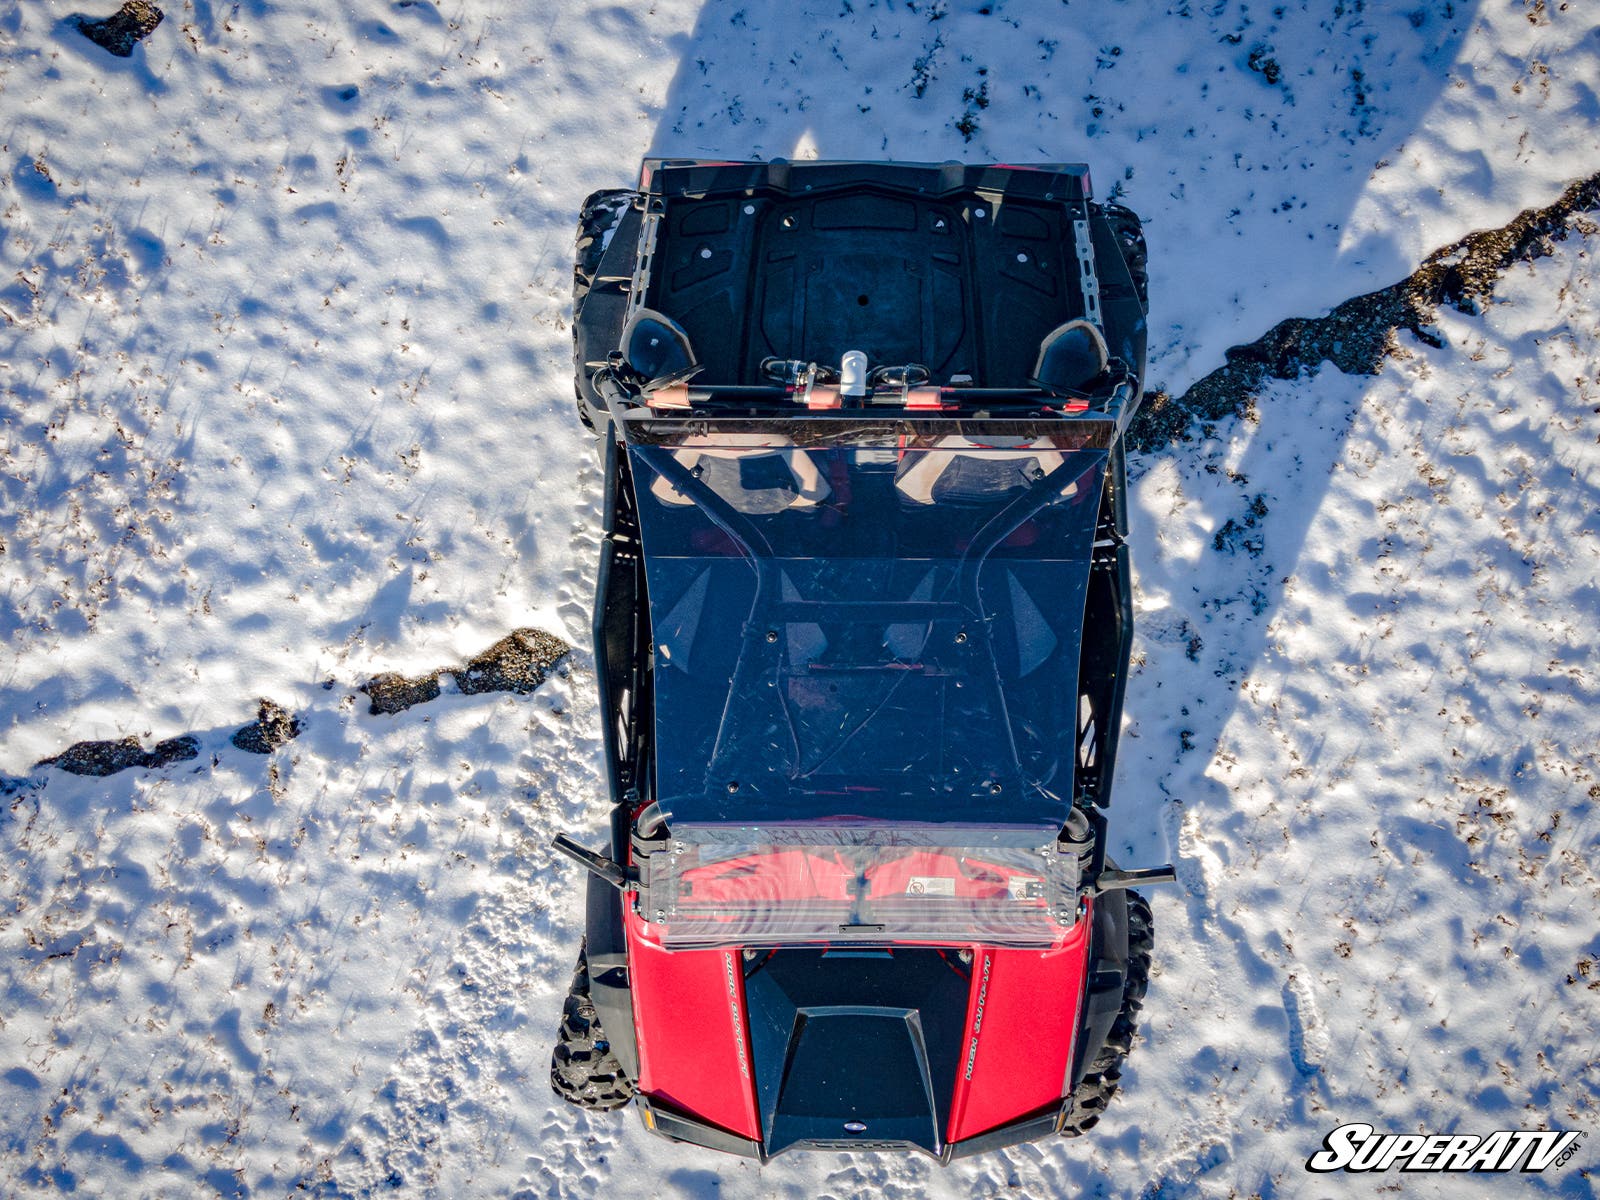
{"points": [[583, 1071], [598, 216], [1130, 238], [1093, 1094]]}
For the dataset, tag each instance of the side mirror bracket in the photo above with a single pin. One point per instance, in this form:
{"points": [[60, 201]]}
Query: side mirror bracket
{"points": [[618, 876], [1112, 879]]}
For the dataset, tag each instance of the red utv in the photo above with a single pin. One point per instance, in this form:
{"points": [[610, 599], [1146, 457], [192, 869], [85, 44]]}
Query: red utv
{"points": [[862, 628]]}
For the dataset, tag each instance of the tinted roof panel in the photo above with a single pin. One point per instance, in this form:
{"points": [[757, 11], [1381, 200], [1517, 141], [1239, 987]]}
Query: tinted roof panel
{"points": [[880, 633]]}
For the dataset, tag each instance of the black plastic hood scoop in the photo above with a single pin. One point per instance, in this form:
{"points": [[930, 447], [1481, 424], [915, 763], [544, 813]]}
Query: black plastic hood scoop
{"points": [[856, 1049], [850, 1067]]}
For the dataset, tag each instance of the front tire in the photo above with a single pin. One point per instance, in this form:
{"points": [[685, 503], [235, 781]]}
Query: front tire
{"points": [[1093, 1094], [583, 1071]]}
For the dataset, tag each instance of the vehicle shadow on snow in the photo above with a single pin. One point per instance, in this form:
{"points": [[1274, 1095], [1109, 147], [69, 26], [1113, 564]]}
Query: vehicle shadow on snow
{"points": [[1244, 141]]}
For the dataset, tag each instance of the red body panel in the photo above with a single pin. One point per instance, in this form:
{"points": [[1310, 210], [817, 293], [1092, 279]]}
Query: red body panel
{"points": [[1022, 1024], [694, 1045]]}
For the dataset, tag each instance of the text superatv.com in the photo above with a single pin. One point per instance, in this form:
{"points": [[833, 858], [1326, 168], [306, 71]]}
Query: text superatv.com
{"points": [[1359, 1147]]}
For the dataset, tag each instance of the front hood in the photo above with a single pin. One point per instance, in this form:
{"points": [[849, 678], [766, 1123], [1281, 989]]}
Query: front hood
{"points": [[927, 1048], [856, 1046]]}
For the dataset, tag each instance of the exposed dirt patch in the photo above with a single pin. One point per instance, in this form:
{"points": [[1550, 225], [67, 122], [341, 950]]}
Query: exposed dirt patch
{"points": [[392, 692], [124, 29], [518, 662], [1359, 334], [274, 725], [107, 758]]}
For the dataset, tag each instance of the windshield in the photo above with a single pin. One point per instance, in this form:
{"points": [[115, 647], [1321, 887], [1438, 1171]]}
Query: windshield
{"points": [[881, 631], [785, 884]]}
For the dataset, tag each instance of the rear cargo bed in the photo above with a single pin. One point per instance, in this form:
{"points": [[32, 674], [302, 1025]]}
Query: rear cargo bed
{"points": [[963, 270]]}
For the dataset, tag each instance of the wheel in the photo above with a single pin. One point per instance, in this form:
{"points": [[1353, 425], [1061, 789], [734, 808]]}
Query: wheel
{"points": [[598, 217], [583, 1071], [1130, 237], [1090, 1097]]}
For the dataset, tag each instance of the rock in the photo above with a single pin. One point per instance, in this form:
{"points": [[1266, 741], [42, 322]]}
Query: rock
{"points": [[125, 29], [392, 692], [107, 758], [273, 726], [517, 663]]}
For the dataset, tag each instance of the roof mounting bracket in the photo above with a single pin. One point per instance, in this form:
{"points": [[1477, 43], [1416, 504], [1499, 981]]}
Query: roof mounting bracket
{"points": [[1084, 244]]}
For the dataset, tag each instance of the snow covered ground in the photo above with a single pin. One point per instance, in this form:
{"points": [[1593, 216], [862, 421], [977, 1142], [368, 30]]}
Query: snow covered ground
{"points": [[285, 403]]}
